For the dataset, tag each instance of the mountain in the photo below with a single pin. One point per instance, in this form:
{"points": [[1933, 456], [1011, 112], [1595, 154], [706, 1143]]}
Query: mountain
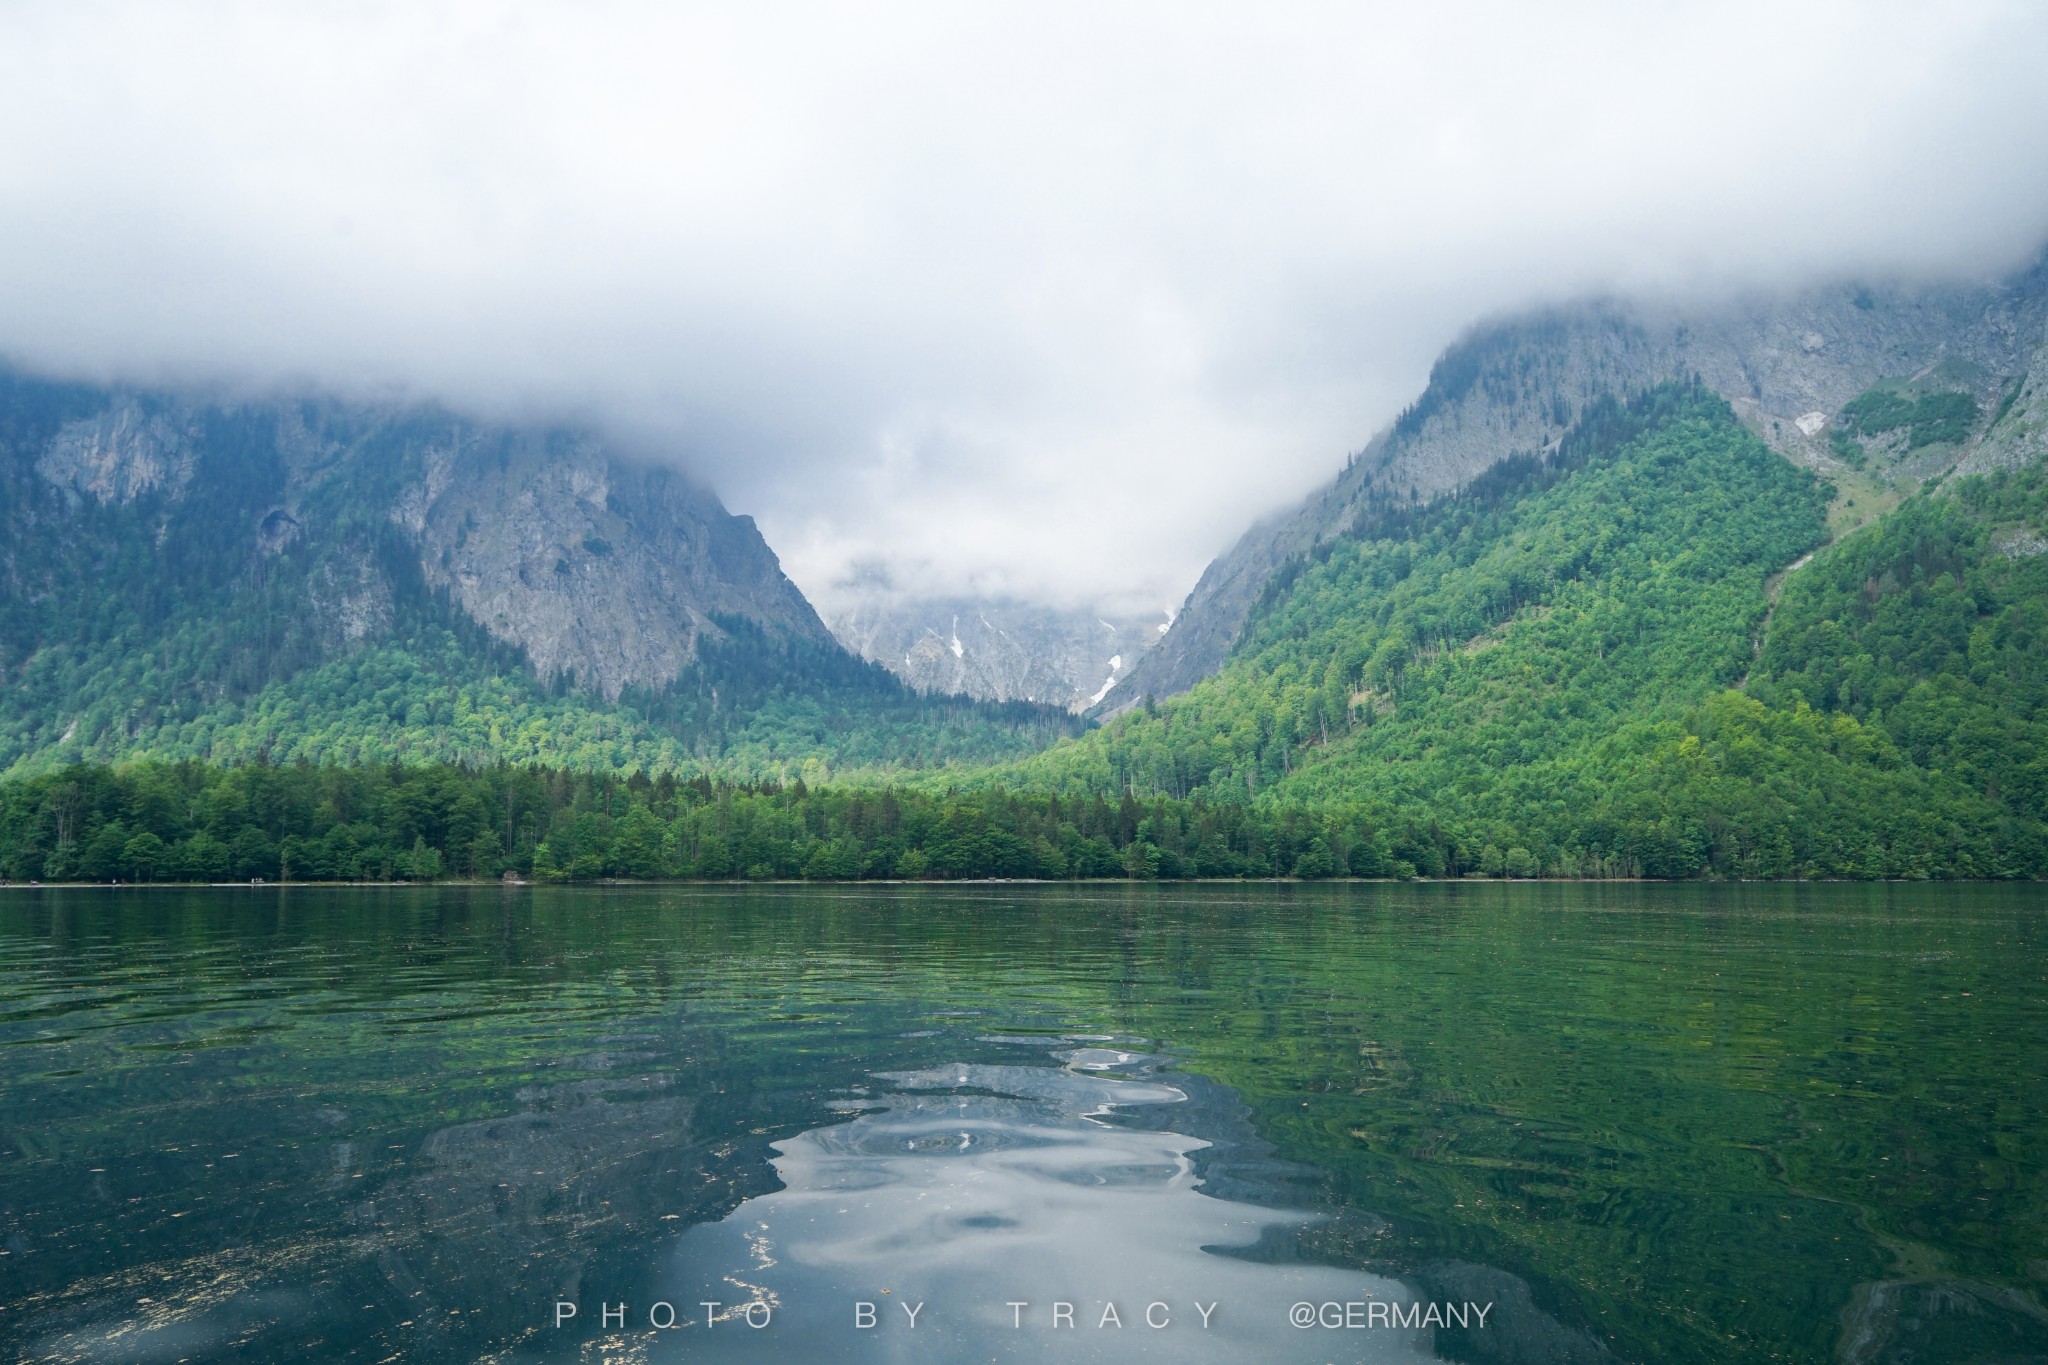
{"points": [[1784, 614], [998, 650], [1636, 651], [191, 576], [1786, 364]]}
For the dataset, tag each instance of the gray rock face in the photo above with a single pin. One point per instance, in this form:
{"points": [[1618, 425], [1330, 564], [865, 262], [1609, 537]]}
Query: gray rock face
{"points": [[2019, 429], [999, 650], [607, 570], [352, 602], [600, 567], [1786, 364], [121, 454]]}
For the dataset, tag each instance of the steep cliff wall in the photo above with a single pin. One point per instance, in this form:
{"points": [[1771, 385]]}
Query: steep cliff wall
{"points": [[599, 568]]}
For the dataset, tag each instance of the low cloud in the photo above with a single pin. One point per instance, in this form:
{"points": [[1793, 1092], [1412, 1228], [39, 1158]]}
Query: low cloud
{"points": [[1045, 300]]}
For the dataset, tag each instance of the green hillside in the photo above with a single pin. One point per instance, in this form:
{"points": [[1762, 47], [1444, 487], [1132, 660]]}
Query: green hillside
{"points": [[1567, 669]]}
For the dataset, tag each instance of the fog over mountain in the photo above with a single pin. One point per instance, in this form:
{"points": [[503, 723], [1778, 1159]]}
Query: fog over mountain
{"points": [[1038, 301]]}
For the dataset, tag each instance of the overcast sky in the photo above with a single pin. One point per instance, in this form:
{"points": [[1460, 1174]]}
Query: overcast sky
{"points": [[1047, 299]]}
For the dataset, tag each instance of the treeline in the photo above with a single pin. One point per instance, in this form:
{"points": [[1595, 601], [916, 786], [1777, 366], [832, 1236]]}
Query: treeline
{"points": [[1736, 790], [199, 823]]}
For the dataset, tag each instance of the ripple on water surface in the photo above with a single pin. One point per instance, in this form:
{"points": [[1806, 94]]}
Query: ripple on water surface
{"points": [[1009, 1212]]}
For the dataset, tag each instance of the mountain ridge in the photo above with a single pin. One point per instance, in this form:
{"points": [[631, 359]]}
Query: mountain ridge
{"points": [[1597, 660], [1787, 363], [187, 576], [559, 546]]}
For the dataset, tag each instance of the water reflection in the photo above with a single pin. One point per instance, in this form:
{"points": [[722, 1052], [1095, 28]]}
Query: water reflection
{"points": [[1671, 1124], [987, 1211]]}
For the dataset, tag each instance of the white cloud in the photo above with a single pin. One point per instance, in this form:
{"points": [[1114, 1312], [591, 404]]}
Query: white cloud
{"points": [[1048, 299]]}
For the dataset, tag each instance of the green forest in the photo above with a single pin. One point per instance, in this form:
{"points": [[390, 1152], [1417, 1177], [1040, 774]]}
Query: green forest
{"points": [[1632, 655], [200, 822]]}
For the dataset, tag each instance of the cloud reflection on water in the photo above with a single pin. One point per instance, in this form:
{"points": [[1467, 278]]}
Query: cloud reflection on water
{"points": [[972, 1189]]}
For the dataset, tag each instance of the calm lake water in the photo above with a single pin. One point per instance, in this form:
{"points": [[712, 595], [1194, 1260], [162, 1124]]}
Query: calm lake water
{"points": [[1025, 1123]]}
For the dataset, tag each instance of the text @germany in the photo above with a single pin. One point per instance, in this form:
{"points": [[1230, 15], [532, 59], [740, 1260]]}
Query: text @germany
{"points": [[1058, 1314]]}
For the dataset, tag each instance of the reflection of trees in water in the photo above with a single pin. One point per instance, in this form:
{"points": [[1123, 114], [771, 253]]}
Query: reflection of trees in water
{"points": [[462, 1254], [503, 1216], [1487, 1077]]}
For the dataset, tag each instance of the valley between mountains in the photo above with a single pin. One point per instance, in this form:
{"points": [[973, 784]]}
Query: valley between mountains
{"points": [[1755, 590]]}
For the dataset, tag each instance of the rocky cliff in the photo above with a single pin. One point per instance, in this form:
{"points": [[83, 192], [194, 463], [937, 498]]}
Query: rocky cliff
{"points": [[1788, 364], [999, 650], [601, 569]]}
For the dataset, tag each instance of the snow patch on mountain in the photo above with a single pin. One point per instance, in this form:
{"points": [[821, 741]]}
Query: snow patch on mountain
{"points": [[997, 649]]}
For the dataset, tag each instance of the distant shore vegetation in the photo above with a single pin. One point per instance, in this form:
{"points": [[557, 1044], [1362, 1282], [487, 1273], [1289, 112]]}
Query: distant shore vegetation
{"points": [[191, 822]]}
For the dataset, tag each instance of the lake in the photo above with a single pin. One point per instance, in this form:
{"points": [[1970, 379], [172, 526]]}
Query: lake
{"points": [[1498, 1122]]}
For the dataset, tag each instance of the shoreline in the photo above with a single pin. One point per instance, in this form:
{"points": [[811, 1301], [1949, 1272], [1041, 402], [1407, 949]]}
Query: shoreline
{"points": [[607, 883]]}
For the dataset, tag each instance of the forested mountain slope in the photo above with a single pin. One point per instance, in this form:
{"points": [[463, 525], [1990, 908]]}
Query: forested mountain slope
{"points": [[1572, 665], [182, 577], [1787, 364]]}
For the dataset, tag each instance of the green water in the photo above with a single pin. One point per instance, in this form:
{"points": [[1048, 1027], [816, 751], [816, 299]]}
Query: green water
{"points": [[1641, 1123]]}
